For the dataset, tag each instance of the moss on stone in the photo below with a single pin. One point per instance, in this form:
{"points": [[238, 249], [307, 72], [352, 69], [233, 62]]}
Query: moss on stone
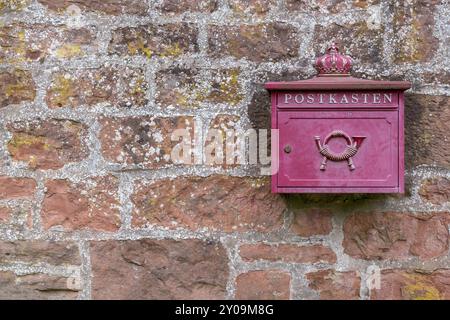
{"points": [[69, 51], [137, 46], [420, 289], [173, 50], [20, 140], [63, 89], [13, 5]]}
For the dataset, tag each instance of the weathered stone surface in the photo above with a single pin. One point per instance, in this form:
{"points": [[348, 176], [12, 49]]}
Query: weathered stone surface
{"points": [[413, 35], [364, 4], [257, 43], [327, 6], [427, 127], [413, 285], [259, 110], [216, 202], [263, 285], [92, 204], [179, 88], [16, 86], [222, 142], [146, 141], [311, 222], [441, 77], [335, 285], [23, 42], [225, 87], [287, 253], [168, 40], [7, 6], [39, 251], [13, 188], [111, 7], [158, 269], [352, 39], [5, 214], [186, 88], [435, 190], [47, 144], [179, 7], [37, 287], [115, 86], [396, 236], [251, 7]]}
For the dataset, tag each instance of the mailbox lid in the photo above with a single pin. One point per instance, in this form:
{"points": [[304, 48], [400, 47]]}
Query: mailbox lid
{"points": [[338, 83], [376, 162]]}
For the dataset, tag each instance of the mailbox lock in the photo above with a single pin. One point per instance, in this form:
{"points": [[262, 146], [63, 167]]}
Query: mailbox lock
{"points": [[287, 149]]}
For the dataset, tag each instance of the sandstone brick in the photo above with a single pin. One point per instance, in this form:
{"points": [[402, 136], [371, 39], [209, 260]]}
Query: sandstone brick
{"points": [[47, 144], [413, 37], [311, 222], [216, 202], [37, 286], [187, 88], [225, 87], [257, 43], [352, 39], [179, 88], [251, 7], [335, 285], [14, 188], [396, 236], [114, 86], [435, 190], [440, 77], [111, 7], [5, 214], [39, 251], [413, 285], [327, 6], [158, 269], [179, 7], [7, 6], [263, 285], [222, 143], [168, 40], [364, 4], [92, 204], [16, 86], [427, 127], [24, 42], [287, 253], [145, 141], [259, 110]]}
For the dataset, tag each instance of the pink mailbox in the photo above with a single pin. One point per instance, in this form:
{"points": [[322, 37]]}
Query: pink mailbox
{"points": [[337, 133]]}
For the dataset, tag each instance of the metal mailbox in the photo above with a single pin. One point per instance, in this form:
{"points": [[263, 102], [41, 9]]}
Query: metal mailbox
{"points": [[337, 133]]}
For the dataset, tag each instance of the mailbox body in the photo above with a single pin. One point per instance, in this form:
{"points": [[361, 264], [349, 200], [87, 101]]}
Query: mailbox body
{"points": [[357, 124]]}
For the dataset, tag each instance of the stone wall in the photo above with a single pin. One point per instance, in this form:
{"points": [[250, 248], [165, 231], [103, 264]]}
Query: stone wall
{"points": [[91, 207]]}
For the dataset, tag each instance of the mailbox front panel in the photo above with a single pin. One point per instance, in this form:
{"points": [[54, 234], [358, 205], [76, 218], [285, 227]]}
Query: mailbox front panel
{"points": [[375, 163]]}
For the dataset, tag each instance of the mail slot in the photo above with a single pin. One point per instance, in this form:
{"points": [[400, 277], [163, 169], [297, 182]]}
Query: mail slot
{"points": [[338, 133]]}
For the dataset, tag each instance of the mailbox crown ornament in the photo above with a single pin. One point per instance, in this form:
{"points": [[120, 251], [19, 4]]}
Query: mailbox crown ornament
{"points": [[333, 64]]}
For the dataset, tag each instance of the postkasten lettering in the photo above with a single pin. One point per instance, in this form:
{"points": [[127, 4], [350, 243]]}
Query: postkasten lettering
{"points": [[348, 98]]}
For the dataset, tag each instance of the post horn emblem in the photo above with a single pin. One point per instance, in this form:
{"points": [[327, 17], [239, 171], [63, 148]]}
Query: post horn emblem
{"points": [[353, 145]]}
